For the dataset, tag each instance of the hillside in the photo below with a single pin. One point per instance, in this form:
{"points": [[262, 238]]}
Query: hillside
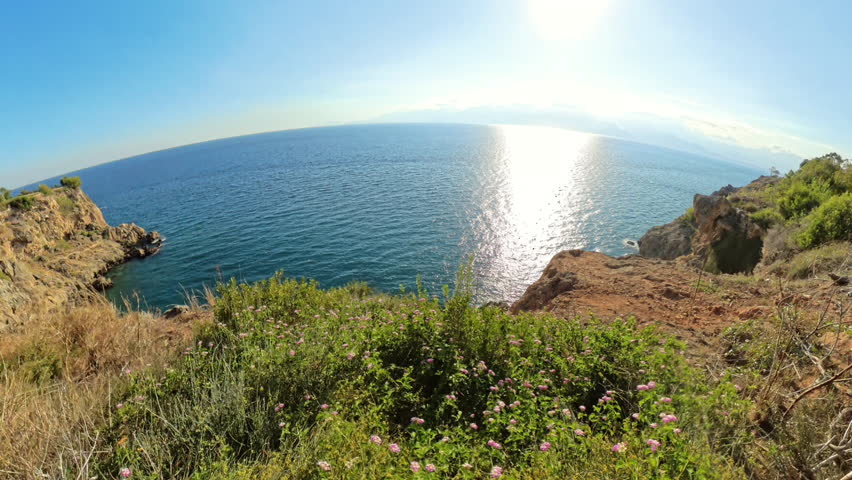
{"points": [[55, 248]]}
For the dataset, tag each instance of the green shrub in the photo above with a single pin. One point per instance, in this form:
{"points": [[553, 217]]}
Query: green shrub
{"points": [[767, 217], [290, 377], [5, 194], [831, 221], [688, 216], [66, 205], [800, 198], [71, 182], [45, 190], [818, 260], [23, 202]]}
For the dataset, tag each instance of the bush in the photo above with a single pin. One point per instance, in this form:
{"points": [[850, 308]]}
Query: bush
{"points": [[767, 217], [800, 198], [45, 190], [291, 380], [831, 221], [5, 194], [23, 202], [71, 182]]}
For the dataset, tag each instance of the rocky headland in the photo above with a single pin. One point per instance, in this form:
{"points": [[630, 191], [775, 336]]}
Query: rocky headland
{"points": [[54, 254]]}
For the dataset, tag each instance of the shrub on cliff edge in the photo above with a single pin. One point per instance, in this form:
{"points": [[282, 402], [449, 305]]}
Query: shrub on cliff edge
{"points": [[71, 182], [831, 221]]}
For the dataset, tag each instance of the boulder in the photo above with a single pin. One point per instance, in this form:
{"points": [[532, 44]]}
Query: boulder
{"points": [[552, 283], [668, 241], [136, 242], [727, 240]]}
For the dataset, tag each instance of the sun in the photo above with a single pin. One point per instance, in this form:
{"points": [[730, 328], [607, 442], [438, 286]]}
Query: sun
{"points": [[565, 19]]}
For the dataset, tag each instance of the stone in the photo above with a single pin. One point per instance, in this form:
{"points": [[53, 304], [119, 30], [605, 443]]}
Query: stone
{"points": [[668, 241], [727, 240]]}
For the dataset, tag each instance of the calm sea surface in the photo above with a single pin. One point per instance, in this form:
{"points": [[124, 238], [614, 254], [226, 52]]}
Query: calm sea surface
{"points": [[384, 203]]}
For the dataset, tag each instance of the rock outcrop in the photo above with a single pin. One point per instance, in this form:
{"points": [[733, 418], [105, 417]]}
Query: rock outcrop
{"points": [[668, 241], [718, 236], [56, 253], [728, 241]]}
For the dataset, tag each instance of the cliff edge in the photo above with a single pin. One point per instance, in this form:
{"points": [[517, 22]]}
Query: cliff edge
{"points": [[55, 249]]}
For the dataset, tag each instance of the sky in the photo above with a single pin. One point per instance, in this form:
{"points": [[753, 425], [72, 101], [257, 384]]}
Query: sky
{"points": [[88, 82]]}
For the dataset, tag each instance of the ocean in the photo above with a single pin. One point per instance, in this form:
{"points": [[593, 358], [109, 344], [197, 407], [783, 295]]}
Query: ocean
{"points": [[386, 203]]}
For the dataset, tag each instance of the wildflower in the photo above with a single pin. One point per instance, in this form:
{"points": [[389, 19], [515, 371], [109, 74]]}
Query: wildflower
{"points": [[652, 385], [451, 397], [376, 439], [350, 356], [496, 472], [544, 446], [474, 426], [464, 371], [292, 353], [467, 466], [394, 448], [119, 406], [543, 387], [430, 360], [445, 439], [513, 422], [282, 425], [665, 400], [324, 466], [430, 468], [324, 406], [494, 445], [669, 419], [125, 473], [653, 444], [579, 433], [582, 408], [635, 416], [279, 407], [619, 447], [653, 425], [566, 412], [417, 420], [677, 430], [415, 467]]}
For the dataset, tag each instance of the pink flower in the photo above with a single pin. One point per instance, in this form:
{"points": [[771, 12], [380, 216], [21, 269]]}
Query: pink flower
{"points": [[543, 387], [496, 472], [642, 387], [666, 400], [394, 448], [474, 426], [582, 408], [125, 473], [429, 360], [635, 416], [677, 430], [451, 397], [350, 356], [652, 385], [324, 406], [619, 447], [445, 440], [279, 407], [653, 444], [415, 467], [494, 445], [376, 439], [417, 420], [324, 466], [653, 425], [669, 419], [544, 446], [513, 422], [467, 466], [579, 433], [430, 468]]}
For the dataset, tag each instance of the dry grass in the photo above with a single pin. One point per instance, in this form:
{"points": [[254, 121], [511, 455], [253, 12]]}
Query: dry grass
{"points": [[58, 380]]}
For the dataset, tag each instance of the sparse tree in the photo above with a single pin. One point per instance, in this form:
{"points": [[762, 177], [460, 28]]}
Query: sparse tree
{"points": [[774, 172]]}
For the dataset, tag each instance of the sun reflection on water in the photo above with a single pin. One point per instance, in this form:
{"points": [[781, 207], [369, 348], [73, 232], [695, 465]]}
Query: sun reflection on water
{"points": [[536, 172]]}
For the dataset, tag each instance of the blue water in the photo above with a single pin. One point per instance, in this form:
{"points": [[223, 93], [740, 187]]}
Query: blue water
{"points": [[384, 203]]}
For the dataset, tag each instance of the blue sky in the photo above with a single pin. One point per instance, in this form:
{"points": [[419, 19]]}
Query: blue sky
{"points": [[94, 81]]}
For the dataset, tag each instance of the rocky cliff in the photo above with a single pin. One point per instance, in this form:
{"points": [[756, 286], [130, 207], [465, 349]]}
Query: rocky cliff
{"points": [[55, 253], [714, 234]]}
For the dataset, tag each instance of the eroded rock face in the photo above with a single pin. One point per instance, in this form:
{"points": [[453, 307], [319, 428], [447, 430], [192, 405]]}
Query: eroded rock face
{"points": [[553, 282], [727, 240], [668, 241], [55, 254]]}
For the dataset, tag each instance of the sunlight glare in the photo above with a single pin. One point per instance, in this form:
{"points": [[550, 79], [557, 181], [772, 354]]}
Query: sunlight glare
{"points": [[565, 19]]}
